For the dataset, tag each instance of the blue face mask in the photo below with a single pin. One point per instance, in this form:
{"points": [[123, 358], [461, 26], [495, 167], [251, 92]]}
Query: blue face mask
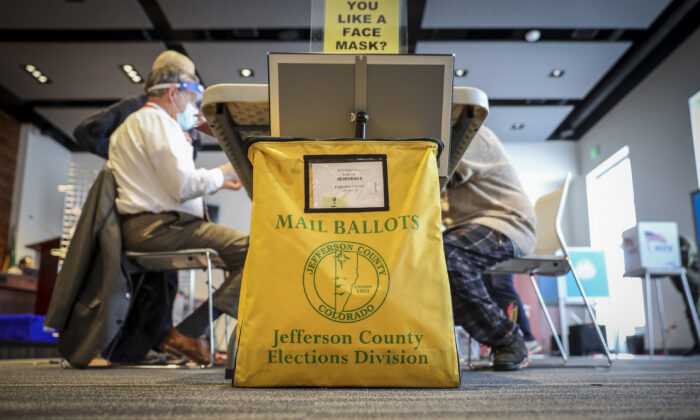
{"points": [[187, 118]]}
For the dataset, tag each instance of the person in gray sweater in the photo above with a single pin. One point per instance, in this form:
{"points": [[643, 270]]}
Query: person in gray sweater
{"points": [[488, 219]]}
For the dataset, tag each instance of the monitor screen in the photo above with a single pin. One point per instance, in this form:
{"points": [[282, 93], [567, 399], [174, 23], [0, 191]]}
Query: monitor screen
{"points": [[404, 96]]}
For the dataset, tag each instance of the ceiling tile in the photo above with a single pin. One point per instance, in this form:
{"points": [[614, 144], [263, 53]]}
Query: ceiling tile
{"points": [[220, 62], [519, 14], [66, 119], [227, 14], [538, 121], [77, 70], [520, 70], [54, 14]]}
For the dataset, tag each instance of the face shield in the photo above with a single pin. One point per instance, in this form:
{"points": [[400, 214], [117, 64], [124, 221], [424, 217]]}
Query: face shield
{"points": [[192, 92]]}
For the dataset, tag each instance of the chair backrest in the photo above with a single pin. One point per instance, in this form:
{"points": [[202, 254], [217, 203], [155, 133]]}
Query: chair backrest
{"points": [[549, 209]]}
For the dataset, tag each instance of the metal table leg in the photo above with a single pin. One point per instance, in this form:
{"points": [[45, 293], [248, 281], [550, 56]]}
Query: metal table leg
{"points": [[650, 323], [662, 321]]}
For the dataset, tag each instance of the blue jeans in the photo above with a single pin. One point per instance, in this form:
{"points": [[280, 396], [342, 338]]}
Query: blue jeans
{"points": [[500, 286]]}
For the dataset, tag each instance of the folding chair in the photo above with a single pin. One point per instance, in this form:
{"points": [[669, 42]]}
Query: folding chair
{"points": [[549, 210], [184, 259]]}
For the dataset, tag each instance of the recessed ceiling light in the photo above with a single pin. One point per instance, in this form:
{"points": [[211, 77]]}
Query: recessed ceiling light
{"points": [[36, 73], [131, 73], [533, 35], [517, 126], [556, 73], [246, 72], [460, 72]]}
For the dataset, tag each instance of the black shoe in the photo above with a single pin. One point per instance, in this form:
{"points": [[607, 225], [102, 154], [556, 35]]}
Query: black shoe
{"points": [[512, 356]]}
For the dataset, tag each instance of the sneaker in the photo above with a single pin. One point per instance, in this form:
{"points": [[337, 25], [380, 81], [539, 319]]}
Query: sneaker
{"points": [[533, 346], [512, 356], [158, 358]]}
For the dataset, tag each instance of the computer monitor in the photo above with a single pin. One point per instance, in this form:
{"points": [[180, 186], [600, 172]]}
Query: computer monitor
{"points": [[323, 95], [695, 204]]}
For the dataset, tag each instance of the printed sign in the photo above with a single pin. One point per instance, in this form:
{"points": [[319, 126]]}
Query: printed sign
{"points": [[342, 183], [370, 27]]}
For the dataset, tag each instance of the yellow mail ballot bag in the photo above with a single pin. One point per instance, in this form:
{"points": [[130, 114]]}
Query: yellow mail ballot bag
{"points": [[345, 282]]}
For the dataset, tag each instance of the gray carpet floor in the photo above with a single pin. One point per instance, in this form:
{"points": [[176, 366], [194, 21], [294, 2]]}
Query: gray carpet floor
{"points": [[632, 389]]}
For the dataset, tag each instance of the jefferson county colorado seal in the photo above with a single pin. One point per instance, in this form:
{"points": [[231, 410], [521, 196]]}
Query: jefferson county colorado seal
{"points": [[345, 281]]}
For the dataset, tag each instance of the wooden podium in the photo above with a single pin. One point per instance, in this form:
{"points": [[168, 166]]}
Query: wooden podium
{"points": [[48, 271], [17, 293]]}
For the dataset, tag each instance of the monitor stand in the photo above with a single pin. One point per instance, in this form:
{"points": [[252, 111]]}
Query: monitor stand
{"points": [[360, 120]]}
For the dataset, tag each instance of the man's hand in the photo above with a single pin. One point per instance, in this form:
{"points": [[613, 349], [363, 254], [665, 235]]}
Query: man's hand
{"points": [[229, 173], [232, 185], [231, 181]]}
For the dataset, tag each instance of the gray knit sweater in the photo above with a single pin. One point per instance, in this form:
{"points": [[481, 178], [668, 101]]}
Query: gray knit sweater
{"points": [[486, 190]]}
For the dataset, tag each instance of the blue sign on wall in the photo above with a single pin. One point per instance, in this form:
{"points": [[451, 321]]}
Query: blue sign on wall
{"points": [[590, 267]]}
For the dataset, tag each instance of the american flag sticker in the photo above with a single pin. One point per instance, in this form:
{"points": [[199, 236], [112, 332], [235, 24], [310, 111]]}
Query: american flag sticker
{"points": [[654, 237]]}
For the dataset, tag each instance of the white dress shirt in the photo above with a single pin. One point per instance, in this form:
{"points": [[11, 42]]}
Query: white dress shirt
{"points": [[153, 166]]}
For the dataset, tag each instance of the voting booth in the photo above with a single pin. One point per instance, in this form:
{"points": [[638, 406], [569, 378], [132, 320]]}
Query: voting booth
{"points": [[345, 282]]}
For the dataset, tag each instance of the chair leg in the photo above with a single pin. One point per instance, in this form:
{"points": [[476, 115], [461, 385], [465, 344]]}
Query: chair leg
{"points": [[211, 313], [190, 297], [662, 321], [549, 319], [470, 365], [590, 312], [691, 304]]}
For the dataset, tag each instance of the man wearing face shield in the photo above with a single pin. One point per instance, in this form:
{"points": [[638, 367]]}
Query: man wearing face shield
{"points": [[93, 133], [159, 195]]}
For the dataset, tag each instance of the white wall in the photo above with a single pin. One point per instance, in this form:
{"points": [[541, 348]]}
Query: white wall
{"points": [[88, 161], [42, 165], [653, 119], [542, 168]]}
